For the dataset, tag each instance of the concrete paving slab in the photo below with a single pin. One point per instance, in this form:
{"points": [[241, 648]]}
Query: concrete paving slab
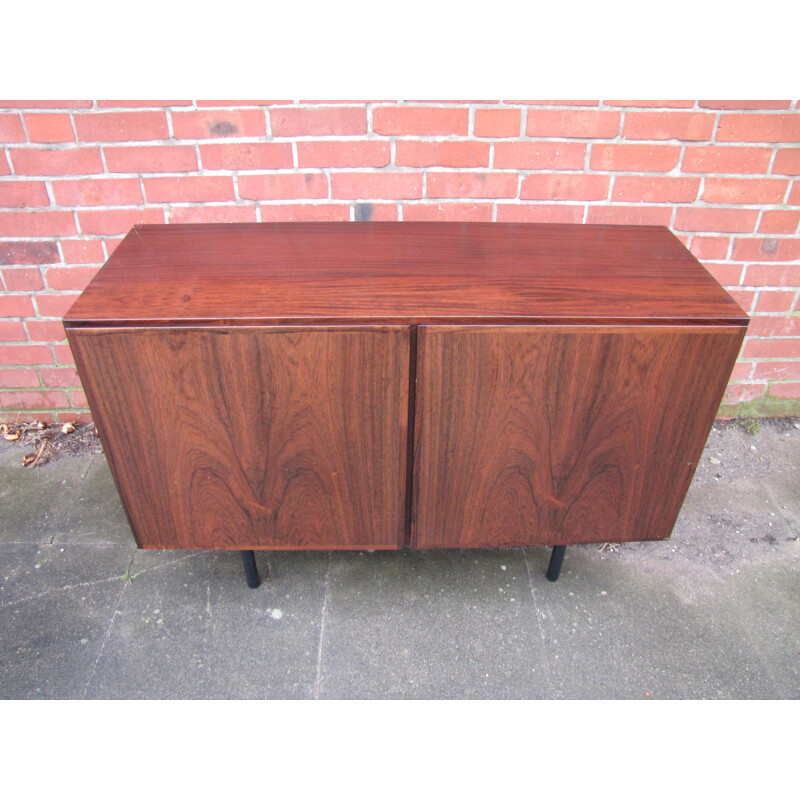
{"points": [[56, 604], [436, 624], [616, 630], [34, 500], [187, 626], [96, 513]]}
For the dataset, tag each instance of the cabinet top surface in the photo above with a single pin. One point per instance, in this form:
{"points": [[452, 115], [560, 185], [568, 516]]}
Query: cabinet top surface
{"points": [[416, 272]]}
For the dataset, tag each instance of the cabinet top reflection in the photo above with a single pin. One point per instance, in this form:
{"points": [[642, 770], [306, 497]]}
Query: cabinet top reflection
{"points": [[401, 272]]}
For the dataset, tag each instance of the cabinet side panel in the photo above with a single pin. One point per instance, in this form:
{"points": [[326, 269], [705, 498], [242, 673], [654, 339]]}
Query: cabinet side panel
{"points": [[239, 438], [535, 435]]}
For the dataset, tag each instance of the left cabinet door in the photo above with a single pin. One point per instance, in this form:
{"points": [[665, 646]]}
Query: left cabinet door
{"points": [[253, 437]]}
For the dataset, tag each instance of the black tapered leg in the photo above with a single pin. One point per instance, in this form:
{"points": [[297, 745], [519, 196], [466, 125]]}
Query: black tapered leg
{"points": [[555, 562], [250, 569]]}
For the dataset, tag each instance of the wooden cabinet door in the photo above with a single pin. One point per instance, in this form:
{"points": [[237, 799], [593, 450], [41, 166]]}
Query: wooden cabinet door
{"points": [[254, 437], [528, 435]]}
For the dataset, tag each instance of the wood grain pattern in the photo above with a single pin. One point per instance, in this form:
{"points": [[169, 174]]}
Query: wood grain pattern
{"points": [[247, 438], [557, 435], [401, 272]]}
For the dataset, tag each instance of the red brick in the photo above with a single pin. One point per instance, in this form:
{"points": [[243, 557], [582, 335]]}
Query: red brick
{"points": [[336, 121], [651, 103], [104, 222], [736, 160], [635, 157], [343, 154], [686, 126], [629, 215], [77, 398], [573, 124], [12, 331], [287, 186], [726, 274], [539, 155], [75, 161], [55, 305], [754, 191], [70, 278], [19, 378], [37, 223], [73, 416], [409, 153], [157, 158], [787, 161], [746, 104], [122, 126], [143, 103], [555, 102], [725, 220], [26, 400], [449, 212], [420, 121], [794, 194], [217, 124], [539, 212], [305, 212], [376, 185], [743, 392], [788, 390], [98, 192], [26, 279], [5, 168], [759, 128], [767, 249], [189, 189], [496, 123], [472, 184], [771, 348], [777, 371], [206, 213], [228, 103], [49, 128], [741, 370], [564, 187], [775, 301], [11, 129], [772, 275], [16, 305], [774, 326], [23, 194], [12, 252], [83, 251], [59, 376], [714, 248], [649, 189], [64, 354], [376, 212], [779, 222], [744, 297], [45, 103], [45, 330], [21, 355], [257, 155]]}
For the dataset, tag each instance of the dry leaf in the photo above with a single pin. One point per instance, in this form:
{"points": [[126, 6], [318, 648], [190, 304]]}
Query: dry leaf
{"points": [[67, 427], [28, 459], [9, 435], [41, 425]]}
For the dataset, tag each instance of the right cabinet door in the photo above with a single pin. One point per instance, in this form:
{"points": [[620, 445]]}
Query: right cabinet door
{"points": [[559, 434]]}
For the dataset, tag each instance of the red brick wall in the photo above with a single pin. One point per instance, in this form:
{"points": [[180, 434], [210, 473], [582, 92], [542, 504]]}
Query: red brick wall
{"points": [[76, 175]]}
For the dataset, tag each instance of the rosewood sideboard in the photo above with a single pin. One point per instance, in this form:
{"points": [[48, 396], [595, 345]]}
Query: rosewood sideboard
{"points": [[401, 384]]}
